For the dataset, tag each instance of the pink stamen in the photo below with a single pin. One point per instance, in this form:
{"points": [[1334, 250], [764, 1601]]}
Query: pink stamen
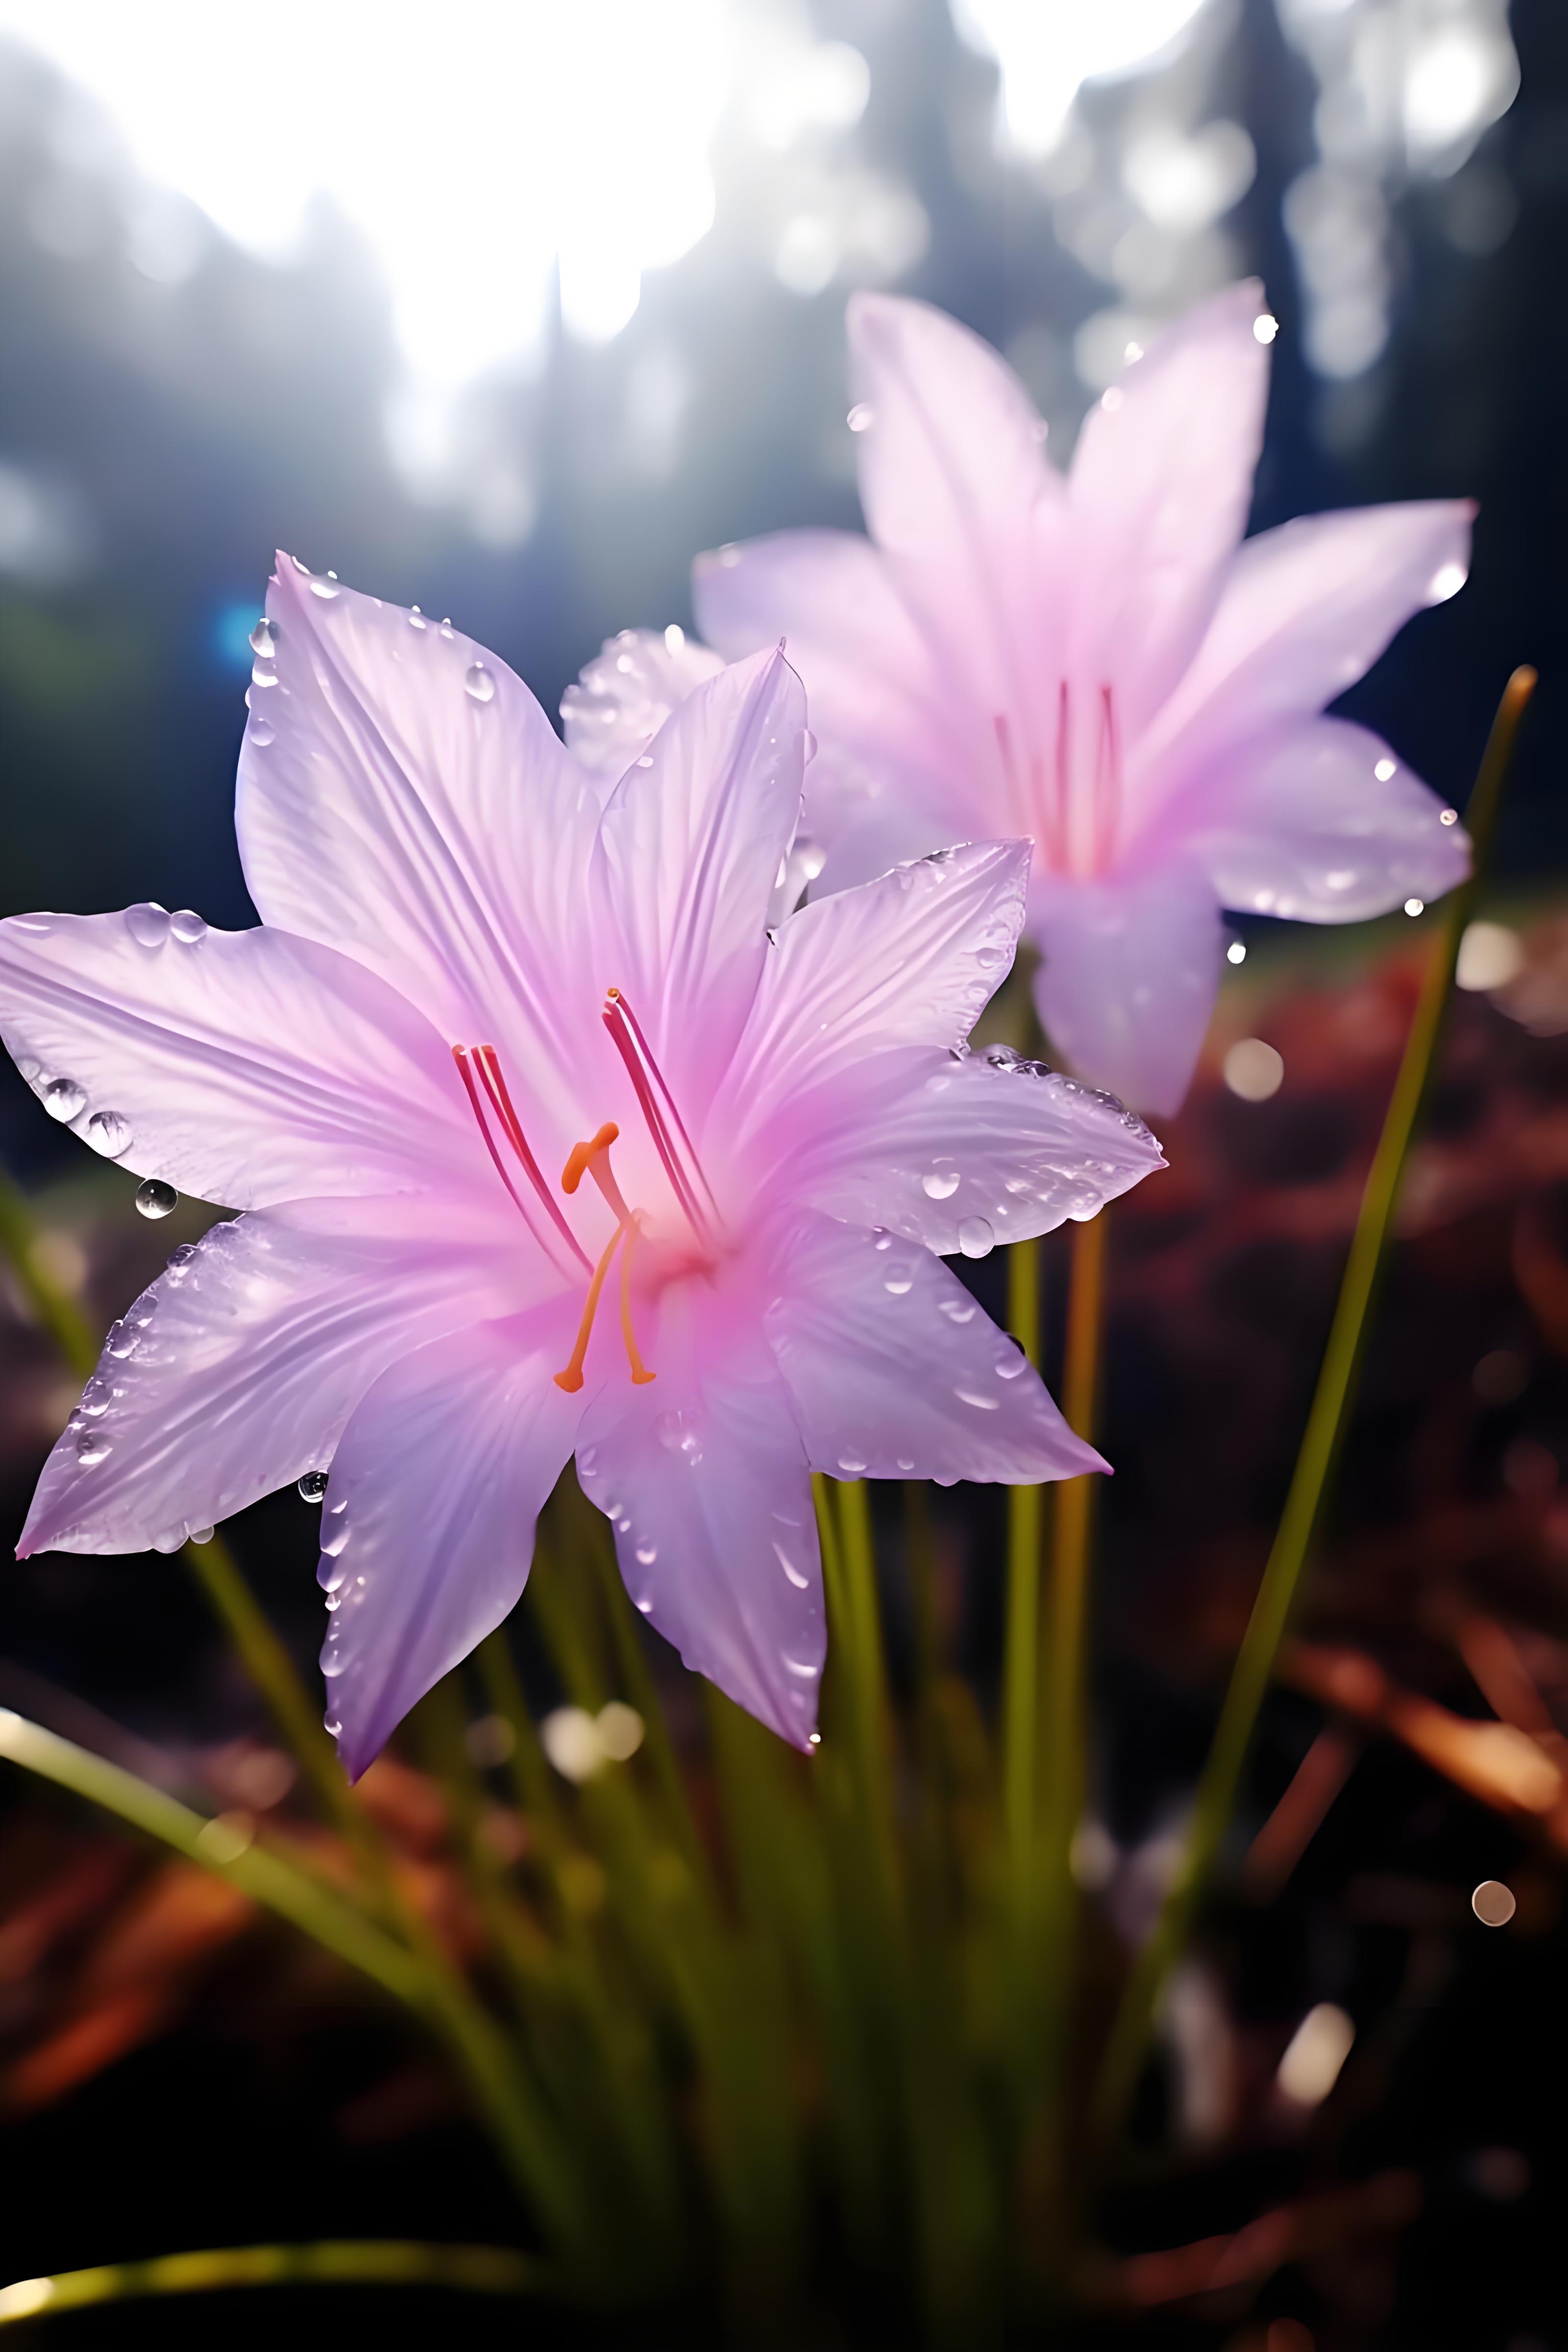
{"points": [[645, 1074], [511, 1128], [1107, 782]]}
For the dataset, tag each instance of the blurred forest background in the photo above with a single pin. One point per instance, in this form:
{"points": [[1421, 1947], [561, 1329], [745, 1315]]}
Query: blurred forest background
{"points": [[510, 317]]}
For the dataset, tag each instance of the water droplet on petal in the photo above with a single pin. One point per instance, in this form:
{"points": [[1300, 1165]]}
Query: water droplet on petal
{"points": [[121, 1340], [940, 1183], [981, 1403], [446, 629], [959, 1309], [808, 746], [313, 1485], [109, 1132], [330, 1726], [155, 1199], [478, 683], [647, 1555], [262, 731], [202, 1535], [148, 924], [97, 1397], [898, 1282], [1011, 1366], [862, 417], [975, 1237], [260, 677], [263, 638], [92, 1446], [416, 619], [905, 1463], [334, 1538], [851, 1465], [63, 1098], [327, 588], [188, 927], [800, 1582]]}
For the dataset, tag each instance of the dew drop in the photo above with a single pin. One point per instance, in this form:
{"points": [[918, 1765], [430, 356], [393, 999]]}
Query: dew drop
{"points": [[981, 1403], [63, 1098], [647, 1555], [899, 1283], [148, 924], [330, 1726], [478, 684], [416, 619], [92, 1446], [202, 1535], [1011, 1366], [327, 588], [905, 1463], [97, 1397], [313, 1485], [447, 628], [262, 731], [109, 1132], [808, 746], [975, 1237], [260, 677], [264, 639], [862, 417], [180, 1258], [801, 1583], [940, 1183], [959, 1309], [121, 1340], [334, 1538], [155, 1199], [851, 1465], [187, 927]]}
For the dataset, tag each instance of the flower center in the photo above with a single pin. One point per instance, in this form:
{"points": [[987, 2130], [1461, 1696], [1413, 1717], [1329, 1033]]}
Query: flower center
{"points": [[485, 1082], [1070, 802]]}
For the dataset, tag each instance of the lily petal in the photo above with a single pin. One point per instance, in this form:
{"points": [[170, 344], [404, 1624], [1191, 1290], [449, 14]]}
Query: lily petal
{"points": [[427, 1527], [895, 1371], [865, 670], [1305, 611], [958, 492], [1317, 833], [1160, 484], [703, 1474], [237, 1370], [909, 960], [430, 831], [246, 1067], [940, 1151], [1129, 972], [688, 854]]}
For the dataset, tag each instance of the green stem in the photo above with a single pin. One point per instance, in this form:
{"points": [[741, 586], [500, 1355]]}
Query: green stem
{"points": [[348, 2262], [51, 1303], [219, 1846], [1320, 1446], [1021, 1653]]}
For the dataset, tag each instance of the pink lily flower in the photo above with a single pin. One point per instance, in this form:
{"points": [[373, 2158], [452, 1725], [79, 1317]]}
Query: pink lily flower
{"points": [[1099, 660], [542, 1146]]}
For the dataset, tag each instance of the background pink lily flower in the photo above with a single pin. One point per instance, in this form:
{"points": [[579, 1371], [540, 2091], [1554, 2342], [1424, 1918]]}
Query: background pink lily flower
{"points": [[472, 970], [1099, 661]]}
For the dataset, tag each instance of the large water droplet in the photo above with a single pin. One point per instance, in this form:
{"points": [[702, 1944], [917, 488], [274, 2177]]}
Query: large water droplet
{"points": [[416, 619], [97, 1397], [155, 1199], [851, 1464], [202, 1535], [263, 638], [899, 1282], [187, 927], [940, 1183], [123, 1339], [262, 731], [148, 924], [260, 677], [808, 746], [63, 1098], [313, 1485], [109, 1132], [327, 587], [92, 1446], [975, 1237], [1011, 1366], [478, 683]]}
